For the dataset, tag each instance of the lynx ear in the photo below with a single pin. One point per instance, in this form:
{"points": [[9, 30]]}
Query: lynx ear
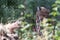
{"points": [[48, 10]]}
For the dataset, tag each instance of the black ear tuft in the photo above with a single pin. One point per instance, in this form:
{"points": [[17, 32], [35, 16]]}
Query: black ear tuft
{"points": [[16, 38], [4, 39]]}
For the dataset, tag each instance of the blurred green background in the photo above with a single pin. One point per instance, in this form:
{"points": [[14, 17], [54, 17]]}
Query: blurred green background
{"points": [[11, 10]]}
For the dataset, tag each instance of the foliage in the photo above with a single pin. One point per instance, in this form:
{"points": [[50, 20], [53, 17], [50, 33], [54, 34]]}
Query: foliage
{"points": [[15, 9]]}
